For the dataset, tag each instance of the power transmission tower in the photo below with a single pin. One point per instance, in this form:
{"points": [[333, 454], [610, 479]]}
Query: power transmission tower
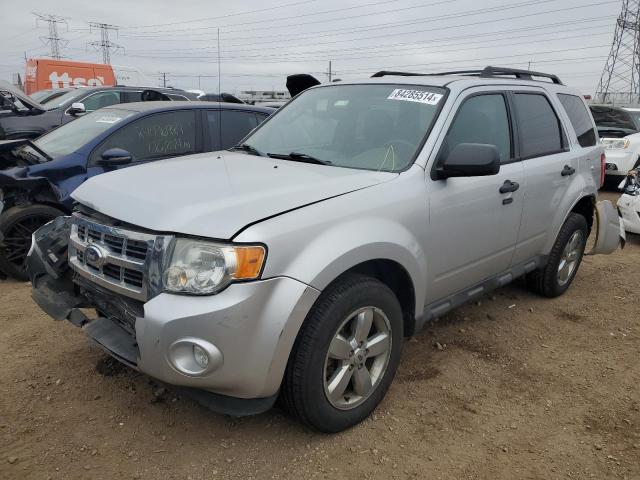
{"points": [[53, 40], [104, 43], [620, 80]]}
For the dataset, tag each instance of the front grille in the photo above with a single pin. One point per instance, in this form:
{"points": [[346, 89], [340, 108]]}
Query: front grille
{"points": [[113, 257]]}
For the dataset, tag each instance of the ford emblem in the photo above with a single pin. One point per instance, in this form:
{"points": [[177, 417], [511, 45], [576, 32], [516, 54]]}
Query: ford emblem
{"points": [[94, 255]]}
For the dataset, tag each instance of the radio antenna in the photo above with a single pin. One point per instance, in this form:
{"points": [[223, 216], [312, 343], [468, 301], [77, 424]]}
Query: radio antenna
{"points": [[219, 93]]}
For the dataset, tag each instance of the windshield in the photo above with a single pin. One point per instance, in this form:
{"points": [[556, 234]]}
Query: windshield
{"points": [[372, 127], [613, 117], [70, 137], [62, 100], [635, 114]]}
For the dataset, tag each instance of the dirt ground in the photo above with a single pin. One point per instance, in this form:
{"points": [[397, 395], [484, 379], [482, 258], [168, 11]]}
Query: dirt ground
{"points": [[516, 387]]}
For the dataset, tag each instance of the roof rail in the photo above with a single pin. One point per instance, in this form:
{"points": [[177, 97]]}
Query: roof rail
{"points": [[487, 72]]}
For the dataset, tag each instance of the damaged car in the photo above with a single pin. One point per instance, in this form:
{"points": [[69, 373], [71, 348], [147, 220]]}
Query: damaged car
{"points": [[22, 116], [38, 176], [296, 264]]}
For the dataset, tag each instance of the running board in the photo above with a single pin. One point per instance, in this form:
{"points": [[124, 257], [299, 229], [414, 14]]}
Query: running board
{"points": [[444, 306]]}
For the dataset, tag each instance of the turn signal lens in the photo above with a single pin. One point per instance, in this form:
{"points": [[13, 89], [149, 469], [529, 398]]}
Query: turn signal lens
{"points": [[249, 262]]}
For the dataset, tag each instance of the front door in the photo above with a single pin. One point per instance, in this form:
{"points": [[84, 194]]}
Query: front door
{"points": [[474, 221]]}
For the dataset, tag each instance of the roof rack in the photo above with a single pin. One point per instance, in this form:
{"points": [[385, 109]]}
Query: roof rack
{"points": [[487, 72]]}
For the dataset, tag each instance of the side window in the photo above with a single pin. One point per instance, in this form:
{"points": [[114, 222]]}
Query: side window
{"points": [[481, 119], [155, 136], [580, 119], [539, 127], [100, 100], [132, 96], [236, 124]]}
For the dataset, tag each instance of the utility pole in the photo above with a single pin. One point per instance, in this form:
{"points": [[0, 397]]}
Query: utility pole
{"points": [[329, 71], [104, 43], [53, 40], [164, 78], [620, 80]]}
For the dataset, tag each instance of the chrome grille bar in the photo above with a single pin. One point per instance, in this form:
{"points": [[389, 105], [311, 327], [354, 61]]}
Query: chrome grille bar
{"points": [[112, 257]]}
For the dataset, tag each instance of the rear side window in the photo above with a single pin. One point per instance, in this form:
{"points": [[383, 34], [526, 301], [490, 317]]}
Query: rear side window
{"points": [[539, 127], [580, 119], [481, 119]]}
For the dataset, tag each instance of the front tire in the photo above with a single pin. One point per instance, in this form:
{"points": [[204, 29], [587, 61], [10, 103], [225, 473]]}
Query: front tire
{"points": [[566, 255], [345, 356], [16, 226]]}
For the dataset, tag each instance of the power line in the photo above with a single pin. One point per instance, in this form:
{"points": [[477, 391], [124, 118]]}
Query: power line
{"points": [[53, 40], [104, 43], [223, 16]]}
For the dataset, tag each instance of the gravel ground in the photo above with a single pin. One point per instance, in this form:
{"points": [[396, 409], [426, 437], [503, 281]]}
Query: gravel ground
{"points": [[512, 387]]}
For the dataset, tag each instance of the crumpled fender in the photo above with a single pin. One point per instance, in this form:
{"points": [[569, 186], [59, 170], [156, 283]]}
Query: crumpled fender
{"points": [[610, 232]]}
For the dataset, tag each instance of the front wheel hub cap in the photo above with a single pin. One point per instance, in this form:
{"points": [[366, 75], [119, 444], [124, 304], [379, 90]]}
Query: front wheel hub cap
{"points": [[357, 357]]}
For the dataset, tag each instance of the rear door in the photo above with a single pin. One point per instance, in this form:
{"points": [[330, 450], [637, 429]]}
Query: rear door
{"points": [[549, 168]]}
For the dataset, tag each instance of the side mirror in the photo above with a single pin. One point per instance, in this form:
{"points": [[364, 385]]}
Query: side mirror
{"points": [[77, 108], [114, 157], [470, 160]]}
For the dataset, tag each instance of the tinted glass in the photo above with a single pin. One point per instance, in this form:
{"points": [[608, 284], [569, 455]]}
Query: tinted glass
{"points": [[612, 117], [101, 100], [538, 124], [155, 136], [70, 137], [235, 126], [373, 127], [580, 119], [481, 119], [131, 96]]}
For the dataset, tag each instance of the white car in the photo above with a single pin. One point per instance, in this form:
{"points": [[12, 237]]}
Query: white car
{"points": [[616, 126], [629, 203]]}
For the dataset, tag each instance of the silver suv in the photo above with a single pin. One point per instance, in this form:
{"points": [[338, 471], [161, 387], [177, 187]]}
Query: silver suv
{"points": [[296, 264]]}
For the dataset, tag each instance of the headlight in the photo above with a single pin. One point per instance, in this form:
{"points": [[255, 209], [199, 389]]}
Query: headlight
{"points": [[615, 143], [203, 268]]}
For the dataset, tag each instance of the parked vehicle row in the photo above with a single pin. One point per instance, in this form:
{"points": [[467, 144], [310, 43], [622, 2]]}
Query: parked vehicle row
{"points": [[40, 175], [23, 117], [295, 264]]}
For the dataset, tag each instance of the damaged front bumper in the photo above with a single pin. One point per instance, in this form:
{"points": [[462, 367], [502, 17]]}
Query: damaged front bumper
{"points": [[251, 325]]}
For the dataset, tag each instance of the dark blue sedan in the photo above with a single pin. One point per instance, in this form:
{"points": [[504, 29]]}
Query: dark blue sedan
{"points": [[38, 176]]}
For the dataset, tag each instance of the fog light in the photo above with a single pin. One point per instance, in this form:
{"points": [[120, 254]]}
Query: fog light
{"points": [[201, 357], [194, 356]]}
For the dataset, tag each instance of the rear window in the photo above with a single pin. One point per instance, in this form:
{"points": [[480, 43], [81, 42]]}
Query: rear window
{"points": [[580, 119], [539, 128], [612, 117]]}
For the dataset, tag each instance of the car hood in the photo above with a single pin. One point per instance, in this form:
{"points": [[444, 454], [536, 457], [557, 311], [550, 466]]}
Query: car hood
{"points": [[215, 195]]}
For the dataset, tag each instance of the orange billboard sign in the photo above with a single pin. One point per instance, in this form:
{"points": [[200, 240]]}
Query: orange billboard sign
{"points": [[45, 73]]}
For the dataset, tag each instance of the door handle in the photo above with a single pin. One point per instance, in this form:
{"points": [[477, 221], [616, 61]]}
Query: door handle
{"points": [[508, 186], [567, 170]]}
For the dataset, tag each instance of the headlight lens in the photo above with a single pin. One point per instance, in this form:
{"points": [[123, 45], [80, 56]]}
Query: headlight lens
{"points": [[615, 143], [202, 268]]}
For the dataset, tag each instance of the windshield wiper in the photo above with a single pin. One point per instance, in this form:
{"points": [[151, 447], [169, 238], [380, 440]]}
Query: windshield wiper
{"points": [[249, 149], [299, 157]]}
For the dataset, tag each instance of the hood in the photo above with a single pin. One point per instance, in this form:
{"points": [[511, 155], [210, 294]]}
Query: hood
{"points": [[215, 195], [7, 91]]}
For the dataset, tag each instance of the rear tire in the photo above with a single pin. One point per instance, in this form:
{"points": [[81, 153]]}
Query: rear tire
{"points": [[16, 226], [342, 364], [566, 255]]}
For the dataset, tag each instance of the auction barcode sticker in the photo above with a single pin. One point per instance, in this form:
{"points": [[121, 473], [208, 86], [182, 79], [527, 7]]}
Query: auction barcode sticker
{"points": [[108, 119], [419, 96]]}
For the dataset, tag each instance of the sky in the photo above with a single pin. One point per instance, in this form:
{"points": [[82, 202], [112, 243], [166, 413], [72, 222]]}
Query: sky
{"points": [[263, 41]]}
